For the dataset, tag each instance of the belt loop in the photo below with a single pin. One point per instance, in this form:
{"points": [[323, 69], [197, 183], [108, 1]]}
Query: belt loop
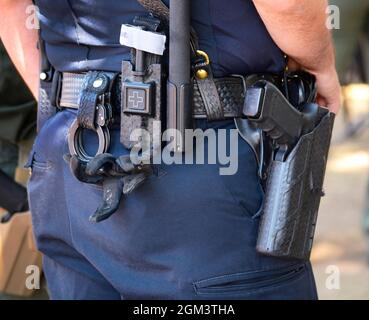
{"points": [[56, 86], [210, 97]]}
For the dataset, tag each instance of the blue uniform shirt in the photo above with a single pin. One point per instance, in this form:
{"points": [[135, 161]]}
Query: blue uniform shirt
{"points": [[83, 35]]}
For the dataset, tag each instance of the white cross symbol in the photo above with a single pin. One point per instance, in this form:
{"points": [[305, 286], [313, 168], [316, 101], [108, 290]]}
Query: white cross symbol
{"points": [[135, 99]]}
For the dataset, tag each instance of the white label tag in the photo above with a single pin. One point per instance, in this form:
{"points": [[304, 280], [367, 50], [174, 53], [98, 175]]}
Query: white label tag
{"points": [[135, 37]]}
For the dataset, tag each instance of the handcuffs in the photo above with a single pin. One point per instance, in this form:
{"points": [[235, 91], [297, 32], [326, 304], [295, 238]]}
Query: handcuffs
{"points": [[116, 175], [102, 118], [75, 139]]}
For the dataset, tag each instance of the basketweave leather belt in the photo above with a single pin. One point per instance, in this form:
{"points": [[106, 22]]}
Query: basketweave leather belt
{"points": [[230, 91]]}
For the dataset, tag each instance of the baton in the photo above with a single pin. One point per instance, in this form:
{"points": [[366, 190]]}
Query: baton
{"points": [[179, 109]]}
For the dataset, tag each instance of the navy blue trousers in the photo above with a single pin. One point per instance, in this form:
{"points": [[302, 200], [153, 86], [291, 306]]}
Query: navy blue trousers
{"points": [[187, 233]]}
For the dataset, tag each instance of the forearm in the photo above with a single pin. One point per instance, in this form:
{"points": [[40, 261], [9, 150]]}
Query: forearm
{"points": [[299, 29], [20, 41]]}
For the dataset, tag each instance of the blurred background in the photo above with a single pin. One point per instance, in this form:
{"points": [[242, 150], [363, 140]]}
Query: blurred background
{"points": [[342, 241], [341, 251]]}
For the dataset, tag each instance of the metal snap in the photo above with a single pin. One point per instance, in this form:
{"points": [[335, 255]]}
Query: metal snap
{"points": [[98, 83], [43, 76]]}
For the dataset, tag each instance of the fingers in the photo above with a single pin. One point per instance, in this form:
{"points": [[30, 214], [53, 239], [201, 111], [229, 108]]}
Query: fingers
{"points": [[333, 106], [329, 90]]}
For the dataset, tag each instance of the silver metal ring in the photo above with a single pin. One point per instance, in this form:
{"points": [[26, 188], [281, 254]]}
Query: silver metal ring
{"points": [[75, 141]]}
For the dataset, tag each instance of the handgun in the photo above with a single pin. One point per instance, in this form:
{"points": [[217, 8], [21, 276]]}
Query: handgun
{"points": [[295, 175]]}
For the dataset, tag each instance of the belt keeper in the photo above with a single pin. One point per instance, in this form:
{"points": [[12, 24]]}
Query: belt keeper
{"points": [[95, 91], [56, 86]]}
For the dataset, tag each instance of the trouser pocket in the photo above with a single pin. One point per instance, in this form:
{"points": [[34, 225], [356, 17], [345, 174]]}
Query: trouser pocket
{"points": [[248, 282]]}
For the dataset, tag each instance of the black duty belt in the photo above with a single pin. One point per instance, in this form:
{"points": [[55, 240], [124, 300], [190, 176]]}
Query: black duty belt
{"points": [[230, 90]]}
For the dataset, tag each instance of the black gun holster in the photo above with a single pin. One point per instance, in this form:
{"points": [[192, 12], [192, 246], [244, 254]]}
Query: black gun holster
{"points": [[293, 193]]}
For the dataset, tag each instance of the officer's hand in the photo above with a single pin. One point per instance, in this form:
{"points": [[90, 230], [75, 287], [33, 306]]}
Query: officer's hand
{"points": [[329, 89]]}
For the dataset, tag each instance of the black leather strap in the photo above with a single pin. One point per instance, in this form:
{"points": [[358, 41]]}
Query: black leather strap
{"points": [[231, 97], [156, 7], [210, 98], [95, 84]]}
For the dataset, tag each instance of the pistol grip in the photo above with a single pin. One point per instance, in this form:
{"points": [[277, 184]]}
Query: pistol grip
{"points": [[266, 106]]}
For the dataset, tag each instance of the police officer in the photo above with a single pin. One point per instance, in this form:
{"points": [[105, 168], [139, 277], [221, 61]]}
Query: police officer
{"points": [[187, 232]]}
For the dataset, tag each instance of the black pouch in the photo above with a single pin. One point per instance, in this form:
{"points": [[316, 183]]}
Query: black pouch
{"points": [[142, 94], [141, 101]]}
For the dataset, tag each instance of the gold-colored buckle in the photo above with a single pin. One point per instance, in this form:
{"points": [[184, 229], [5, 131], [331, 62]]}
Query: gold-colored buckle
{"points": [[203, 73]]}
